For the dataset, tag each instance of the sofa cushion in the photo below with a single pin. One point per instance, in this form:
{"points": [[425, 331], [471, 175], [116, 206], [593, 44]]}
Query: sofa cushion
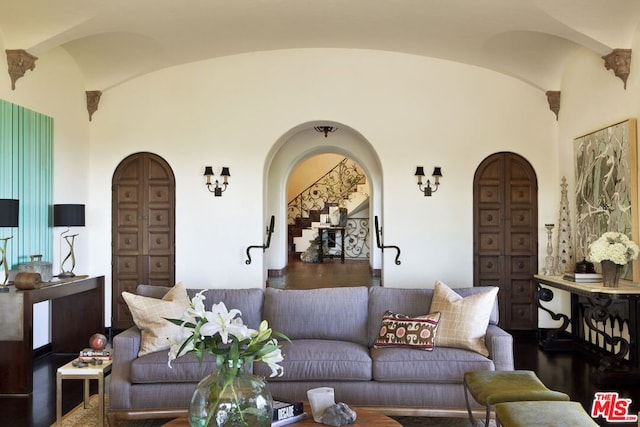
{"points": [[248, 301], [444, 365], [399, 330], [150, 314], [463, 321], [153, 368], [328, 314], [412, 302], [321, 360]]}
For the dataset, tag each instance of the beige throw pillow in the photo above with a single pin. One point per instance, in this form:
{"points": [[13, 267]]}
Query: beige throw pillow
{"points": [[463, 321], [149, 315]]}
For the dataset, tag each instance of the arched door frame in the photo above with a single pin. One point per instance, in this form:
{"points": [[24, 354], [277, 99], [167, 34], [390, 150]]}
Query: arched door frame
{"points": [[297, 145]]}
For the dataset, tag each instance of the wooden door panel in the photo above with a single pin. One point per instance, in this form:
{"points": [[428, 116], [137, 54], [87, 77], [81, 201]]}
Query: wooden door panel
{"points": [[521, 217], [520, 243], [490, 193], [523, 315], [143, 222], [505, 235], [522, 290], [489, 217]]}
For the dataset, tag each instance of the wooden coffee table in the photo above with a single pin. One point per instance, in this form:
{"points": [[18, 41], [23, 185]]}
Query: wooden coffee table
{"points": [[366, 418]]}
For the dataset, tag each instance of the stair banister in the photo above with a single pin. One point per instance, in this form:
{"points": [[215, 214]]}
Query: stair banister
{"points": [[264, 246], [381, 245]]}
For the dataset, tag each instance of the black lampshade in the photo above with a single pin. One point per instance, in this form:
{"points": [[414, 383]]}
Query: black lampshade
{"points": [[419, 171], [68, 215], [437, 171], [225, 171], [8, 213], [208, 171]]}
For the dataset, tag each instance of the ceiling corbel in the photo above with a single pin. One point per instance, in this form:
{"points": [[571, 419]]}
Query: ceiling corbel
{"points": [[93, 99], [619, 60], [18, 62], [553, 98]]}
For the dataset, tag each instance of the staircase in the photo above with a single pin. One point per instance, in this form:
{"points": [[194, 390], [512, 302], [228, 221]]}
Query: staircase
{"points": [[309, 210]]}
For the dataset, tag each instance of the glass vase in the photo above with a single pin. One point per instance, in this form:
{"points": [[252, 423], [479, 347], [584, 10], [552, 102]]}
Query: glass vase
{"points": [[611, 273], [231, 397]]}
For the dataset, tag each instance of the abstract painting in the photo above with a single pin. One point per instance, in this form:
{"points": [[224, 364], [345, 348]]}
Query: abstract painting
{"points": [[606, 191]]}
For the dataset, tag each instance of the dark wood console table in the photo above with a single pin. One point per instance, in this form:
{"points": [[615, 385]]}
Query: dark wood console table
{"points": [[77, 312], [329, 230], [593, 305]]}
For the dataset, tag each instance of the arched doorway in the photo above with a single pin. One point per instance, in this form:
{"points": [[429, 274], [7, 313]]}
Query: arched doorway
{"points": [[505, 236], [297, 145], [143, 229]]}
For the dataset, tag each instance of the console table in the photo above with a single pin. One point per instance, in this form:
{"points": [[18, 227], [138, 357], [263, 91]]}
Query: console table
{"points": [[591, 306], [77, 312], [321, 232]]}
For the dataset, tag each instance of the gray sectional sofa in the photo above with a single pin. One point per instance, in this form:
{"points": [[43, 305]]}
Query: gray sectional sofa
{"points": [[332, 331]]}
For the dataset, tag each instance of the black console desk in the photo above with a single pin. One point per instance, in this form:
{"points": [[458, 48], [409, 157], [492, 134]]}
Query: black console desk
{"points": [[592, 306]]}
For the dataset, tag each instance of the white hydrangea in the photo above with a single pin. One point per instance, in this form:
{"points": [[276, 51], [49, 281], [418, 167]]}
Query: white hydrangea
{"points": [[615, 247]]}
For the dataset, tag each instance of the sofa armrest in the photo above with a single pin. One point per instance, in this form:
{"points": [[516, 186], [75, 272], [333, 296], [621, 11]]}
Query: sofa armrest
{"points": [[500, 346], [125, 350]]}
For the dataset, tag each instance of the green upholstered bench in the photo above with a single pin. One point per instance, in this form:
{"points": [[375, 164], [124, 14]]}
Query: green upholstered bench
{"points": [[491, 387], [542, 414]]}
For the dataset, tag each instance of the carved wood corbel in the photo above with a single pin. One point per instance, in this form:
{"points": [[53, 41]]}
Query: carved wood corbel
{"points": [[553, 98], [619, 60], [93, 99], [18, 62]]}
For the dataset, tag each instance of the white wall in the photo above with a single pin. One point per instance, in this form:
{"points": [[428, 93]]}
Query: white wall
{"points": [[55, 88], [237, 111], [232, 111]]}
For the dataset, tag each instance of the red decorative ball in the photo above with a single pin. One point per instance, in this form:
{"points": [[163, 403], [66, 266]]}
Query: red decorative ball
{"points": [[98, 341]]}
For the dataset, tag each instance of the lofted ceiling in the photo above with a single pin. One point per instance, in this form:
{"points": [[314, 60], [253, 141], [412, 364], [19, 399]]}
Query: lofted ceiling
{"points": [[113, 41]]}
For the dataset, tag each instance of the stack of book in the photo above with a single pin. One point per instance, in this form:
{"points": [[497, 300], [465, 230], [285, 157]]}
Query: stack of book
{"points": [[90, 353], [583, 277], [287, 413]]}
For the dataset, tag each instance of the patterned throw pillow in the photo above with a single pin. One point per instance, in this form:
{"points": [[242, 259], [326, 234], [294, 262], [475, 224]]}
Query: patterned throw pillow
{"points": [[463, 321], [150, 314], [398, 330]]}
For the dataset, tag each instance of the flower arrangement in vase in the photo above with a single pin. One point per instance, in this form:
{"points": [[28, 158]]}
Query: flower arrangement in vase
{"points": [[613, 250], [229, 396]]}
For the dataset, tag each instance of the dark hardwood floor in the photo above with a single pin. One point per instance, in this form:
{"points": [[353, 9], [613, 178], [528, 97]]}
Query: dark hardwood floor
{"points": [[565, 372]]}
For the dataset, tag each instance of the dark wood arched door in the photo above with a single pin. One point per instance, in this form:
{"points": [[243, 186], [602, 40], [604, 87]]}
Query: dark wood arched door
{"points": [[505, 236], [143, 229]]}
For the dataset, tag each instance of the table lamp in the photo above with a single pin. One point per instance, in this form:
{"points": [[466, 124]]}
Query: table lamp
{"points": [[68, 216], [8, 218]]}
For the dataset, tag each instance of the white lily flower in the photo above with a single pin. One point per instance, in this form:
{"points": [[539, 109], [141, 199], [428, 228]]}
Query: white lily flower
{"points": [[219, 321], [272, 359], [196, 308], [176, 343]]}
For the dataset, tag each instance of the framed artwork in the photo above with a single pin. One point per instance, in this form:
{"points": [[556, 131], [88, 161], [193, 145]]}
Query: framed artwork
{"points": [[606, 187]]}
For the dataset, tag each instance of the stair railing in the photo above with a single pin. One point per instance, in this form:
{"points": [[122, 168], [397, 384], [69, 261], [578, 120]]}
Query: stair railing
{"points": [[264, 246], [381, 245], [332, 187]]}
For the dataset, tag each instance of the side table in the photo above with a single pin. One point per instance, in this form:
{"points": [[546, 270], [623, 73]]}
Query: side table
{"points": [[90, 372]]}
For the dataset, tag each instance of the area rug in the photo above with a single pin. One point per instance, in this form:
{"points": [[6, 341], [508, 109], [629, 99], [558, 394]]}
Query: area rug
{"points": [[81, 417]]}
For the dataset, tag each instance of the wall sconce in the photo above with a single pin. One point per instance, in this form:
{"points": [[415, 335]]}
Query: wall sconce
{"points": [[68, 216], [8, 218], [217, 189], [428, 189]]}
